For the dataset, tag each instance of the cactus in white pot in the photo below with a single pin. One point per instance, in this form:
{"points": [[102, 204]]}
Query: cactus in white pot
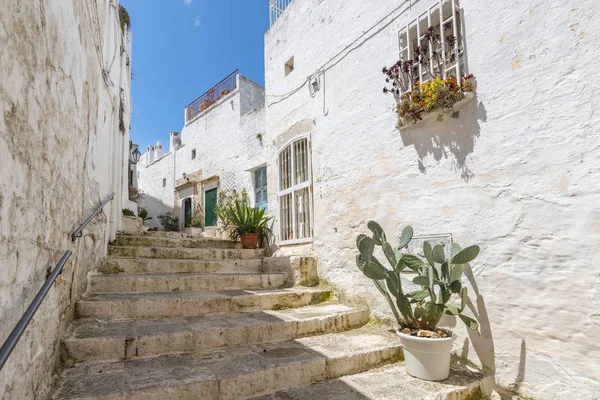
{"points": [[418, 312]]}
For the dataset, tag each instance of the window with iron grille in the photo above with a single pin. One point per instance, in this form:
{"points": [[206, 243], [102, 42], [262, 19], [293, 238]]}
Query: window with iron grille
{"points": [[434, 41], [295, 192]]}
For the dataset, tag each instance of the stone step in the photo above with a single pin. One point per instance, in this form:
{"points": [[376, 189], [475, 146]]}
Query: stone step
{"points": [[388, 383], [152, 283], [165, 241], [115, 265], [186, 304], [184, 253], [234, 373], [92, 339]]}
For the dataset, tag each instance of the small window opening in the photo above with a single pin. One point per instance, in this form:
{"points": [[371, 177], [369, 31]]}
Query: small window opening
{"points": [[164, 182], [289, 66], [193, 154]]}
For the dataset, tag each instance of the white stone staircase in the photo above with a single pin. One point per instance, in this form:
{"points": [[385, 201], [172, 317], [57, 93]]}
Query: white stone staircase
{"points": [[171, 317]]}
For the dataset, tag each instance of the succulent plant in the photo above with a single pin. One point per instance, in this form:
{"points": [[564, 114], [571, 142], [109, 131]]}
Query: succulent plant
{"points": [[438, 277]]}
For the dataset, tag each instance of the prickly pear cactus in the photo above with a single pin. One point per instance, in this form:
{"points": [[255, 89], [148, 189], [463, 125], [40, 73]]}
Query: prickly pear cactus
{"points": [[438, 278]]}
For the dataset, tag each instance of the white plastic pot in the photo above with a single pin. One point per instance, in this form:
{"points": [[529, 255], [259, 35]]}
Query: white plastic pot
{"points": [[427, 358]]}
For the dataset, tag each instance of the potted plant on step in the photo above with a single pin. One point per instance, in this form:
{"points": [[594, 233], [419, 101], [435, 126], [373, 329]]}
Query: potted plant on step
{"points": [[249, 224], [436, 280]]}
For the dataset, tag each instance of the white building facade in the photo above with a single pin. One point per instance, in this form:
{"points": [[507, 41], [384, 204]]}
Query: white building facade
{"points": [[516, 173], [220, 148]]}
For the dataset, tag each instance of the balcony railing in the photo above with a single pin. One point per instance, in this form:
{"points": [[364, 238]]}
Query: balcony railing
{"points": [[276, 8], [221, 89]]}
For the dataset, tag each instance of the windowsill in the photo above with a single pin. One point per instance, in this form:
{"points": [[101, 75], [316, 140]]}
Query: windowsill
{"points": [[430, 115], [295, 242]]}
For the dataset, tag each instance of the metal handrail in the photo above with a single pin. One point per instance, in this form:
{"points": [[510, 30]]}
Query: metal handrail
{"points": [[15, 335], [78, 232], [19, 329]]}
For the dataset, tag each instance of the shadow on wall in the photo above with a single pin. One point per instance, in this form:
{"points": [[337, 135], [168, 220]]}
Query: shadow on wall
{"points": [[483, 343], [452, 138], [155, 208]]}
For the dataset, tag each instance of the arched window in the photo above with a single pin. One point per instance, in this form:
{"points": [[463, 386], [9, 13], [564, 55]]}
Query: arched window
{"points": [[295, 192]]}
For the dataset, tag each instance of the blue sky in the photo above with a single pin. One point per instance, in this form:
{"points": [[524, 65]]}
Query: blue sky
{"points": [[181, 48]]}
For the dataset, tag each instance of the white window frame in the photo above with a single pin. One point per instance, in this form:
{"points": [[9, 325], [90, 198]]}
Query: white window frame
{"points": [[255, 188], [294, 188], [407, 48]]}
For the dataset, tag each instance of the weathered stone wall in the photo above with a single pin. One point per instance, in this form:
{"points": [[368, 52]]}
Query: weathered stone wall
{"points": [[517, 173], [62, 153], [226, 144]]}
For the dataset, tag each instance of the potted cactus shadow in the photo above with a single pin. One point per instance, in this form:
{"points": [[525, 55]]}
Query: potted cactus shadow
{"points": [[435, 280]]}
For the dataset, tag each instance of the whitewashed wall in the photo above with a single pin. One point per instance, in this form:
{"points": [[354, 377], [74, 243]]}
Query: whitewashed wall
{"points": [[62, 155], [226, 144], [516, 174], [156, 198]]}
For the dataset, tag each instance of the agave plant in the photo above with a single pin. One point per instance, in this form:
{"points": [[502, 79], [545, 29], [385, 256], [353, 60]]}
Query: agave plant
{"points": [[245, 220], [438, 277]]}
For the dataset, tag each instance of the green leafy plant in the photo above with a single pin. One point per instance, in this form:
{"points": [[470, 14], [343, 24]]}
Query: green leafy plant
{"points": [[226, 199], [124, 18], [438, 278], [129, 213], [169, 222], [244, 220], [143, 214], [425, 83]]}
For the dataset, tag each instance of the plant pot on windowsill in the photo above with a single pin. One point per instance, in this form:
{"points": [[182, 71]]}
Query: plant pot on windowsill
{"points": [[249, 240], [406, 124]]}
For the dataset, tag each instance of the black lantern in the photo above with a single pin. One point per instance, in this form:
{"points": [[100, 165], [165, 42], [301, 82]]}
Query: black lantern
{"points": [[135, 154]]}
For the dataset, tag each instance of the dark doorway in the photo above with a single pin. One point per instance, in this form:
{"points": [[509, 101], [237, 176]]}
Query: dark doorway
{"points": [[187, 209]]}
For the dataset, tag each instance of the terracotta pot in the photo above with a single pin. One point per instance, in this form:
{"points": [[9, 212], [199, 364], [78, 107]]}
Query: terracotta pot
{"points": [[249, 241]]}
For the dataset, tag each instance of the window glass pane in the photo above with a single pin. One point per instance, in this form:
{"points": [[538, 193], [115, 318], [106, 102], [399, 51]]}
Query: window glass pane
{"points": [[285, 216], [300, 161], [285, 169], [302, 204]]}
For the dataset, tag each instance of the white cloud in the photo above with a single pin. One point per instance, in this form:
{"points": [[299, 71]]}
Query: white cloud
{"points": [[187, 2], [197, 21]]}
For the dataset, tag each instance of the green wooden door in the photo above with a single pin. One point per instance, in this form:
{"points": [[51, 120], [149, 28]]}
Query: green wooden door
{"points": [[210, 202]]}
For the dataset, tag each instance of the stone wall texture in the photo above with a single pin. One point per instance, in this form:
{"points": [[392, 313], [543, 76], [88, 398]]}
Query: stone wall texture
{"points": [[62, 153], [517, 173]]}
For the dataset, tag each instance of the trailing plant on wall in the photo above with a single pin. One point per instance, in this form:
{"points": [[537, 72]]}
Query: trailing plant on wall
{"points": [[437, 93], [124, 18], [128, 212], [122, 112]]}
